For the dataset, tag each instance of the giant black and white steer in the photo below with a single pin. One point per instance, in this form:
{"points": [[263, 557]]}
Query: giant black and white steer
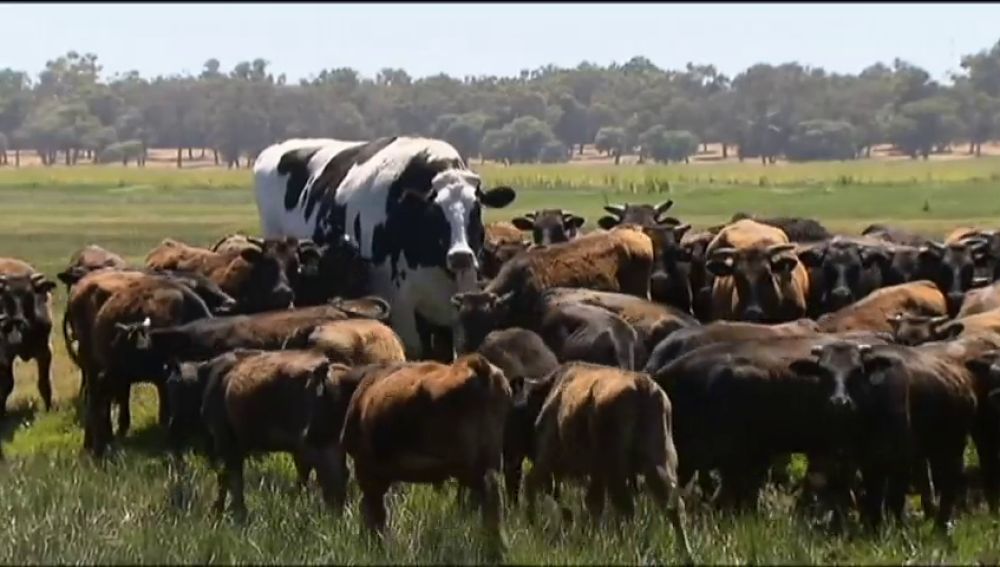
{"points": [[411, 205]]}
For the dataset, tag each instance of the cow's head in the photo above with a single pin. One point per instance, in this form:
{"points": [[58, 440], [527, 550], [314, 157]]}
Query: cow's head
{"points": [[550, 226], [668, 255], [479, 313], [642, 215], [134, 335], [185, 385], [334, 269], [855, 377], [26, 297], [494, 256], [12, 330], [912, 330], [841, 264], [449, 218], [952, 268], [217, 301], [758, 273], [258, 279]]}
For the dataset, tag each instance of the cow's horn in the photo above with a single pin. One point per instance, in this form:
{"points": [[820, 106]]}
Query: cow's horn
{"points": [[816, 350], [663, 207], [864, 348], [723, 253], [780, 249], [617, 210]]}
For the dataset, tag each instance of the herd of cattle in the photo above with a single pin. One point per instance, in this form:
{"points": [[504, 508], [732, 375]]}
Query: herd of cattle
{"points": [[641, 348]]}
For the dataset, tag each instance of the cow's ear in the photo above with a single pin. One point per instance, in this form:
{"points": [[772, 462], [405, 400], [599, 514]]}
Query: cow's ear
{"points": [[719, 267], [948, 331], [805, 367], [784, 263], [45, 286], [522, 223], [574, 221], [812, 257], [251, 254], [608, 222], [497, 197]]}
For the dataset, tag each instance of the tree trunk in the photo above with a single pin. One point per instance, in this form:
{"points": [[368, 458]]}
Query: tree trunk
{"points": [[68, 156], [215, 153], [868, 151], [580, 153], [725, 150], [687, 160], [17, 158], [190, 153], [972, 147], [979, 149], [179, 150], [125, 160], [763, 159], [704, 147], [202, 156], [76, 155], [618, 157]]}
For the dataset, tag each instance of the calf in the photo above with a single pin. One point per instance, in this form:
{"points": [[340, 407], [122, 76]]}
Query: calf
{"points": [[670, 279], [425, 423], [259, 402], [758, 276], [602, 426], [25, 296], [549, 226], [355, 342], [877, 311], [258, 279]]}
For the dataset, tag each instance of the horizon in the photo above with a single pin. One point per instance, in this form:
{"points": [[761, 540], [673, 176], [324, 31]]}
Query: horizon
{"points": [[163, 40]]}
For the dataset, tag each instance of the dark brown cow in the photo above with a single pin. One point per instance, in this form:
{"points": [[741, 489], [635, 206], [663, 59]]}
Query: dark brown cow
{"points": [[258, 402], [758, 276], [670, 278], [691, 338], [25, 298], [653, 322], [256, 278], [425, 423], [695, 246], [112, 362], [738, 405], [637, 214], [798, 229], [550, 226], [601, 426], [320, 272], [877, 311], [843, 270], [952, 268], [573, 330]]}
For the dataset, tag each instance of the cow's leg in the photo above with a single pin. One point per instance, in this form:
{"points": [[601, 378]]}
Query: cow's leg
{"points": [[922, 482], [331, 472], [6, 386], [404, 322], [222, 479], [538, 478], [164, 399], [946, 469], [373, 511], [43, 361], [234, 465], [987, 440], [123, 393], [303, 467]]}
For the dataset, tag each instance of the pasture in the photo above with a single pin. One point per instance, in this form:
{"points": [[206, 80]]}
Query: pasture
{"points": [[57, 506]]}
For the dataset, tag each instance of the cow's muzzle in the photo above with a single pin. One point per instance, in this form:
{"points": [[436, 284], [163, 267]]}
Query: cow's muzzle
{"points": [[461, 260]]}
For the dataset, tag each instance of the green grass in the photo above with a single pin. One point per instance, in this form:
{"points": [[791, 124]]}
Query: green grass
{"points": [[58, 507]]}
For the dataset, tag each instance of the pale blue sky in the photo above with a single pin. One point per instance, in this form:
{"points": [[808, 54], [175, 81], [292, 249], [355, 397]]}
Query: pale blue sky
{"points": [[499, 39]]}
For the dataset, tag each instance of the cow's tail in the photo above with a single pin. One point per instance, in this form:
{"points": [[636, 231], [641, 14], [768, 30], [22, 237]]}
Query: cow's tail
{"points": [[68, 331]]}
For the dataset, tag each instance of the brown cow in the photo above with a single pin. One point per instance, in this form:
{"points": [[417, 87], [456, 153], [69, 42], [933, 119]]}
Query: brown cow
{"points": [[255, 401], [980, 300], [602, 425], [355, 342], [427, 422], [797, 229], [915, 330], [88, 259], [619, 260], [502, 242], [550, 226], [112, 362], [758, 276], [877, 311], [258, 279], [25, 297]]}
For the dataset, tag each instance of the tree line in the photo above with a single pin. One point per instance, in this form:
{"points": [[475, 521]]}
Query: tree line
{"points": [[70, 114]]}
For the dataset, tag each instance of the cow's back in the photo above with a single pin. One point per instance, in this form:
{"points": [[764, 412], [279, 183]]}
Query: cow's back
{"points": [[872, 313]]}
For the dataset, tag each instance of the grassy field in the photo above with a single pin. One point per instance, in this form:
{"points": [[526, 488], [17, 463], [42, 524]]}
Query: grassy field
{"points": [[58, 507]]}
